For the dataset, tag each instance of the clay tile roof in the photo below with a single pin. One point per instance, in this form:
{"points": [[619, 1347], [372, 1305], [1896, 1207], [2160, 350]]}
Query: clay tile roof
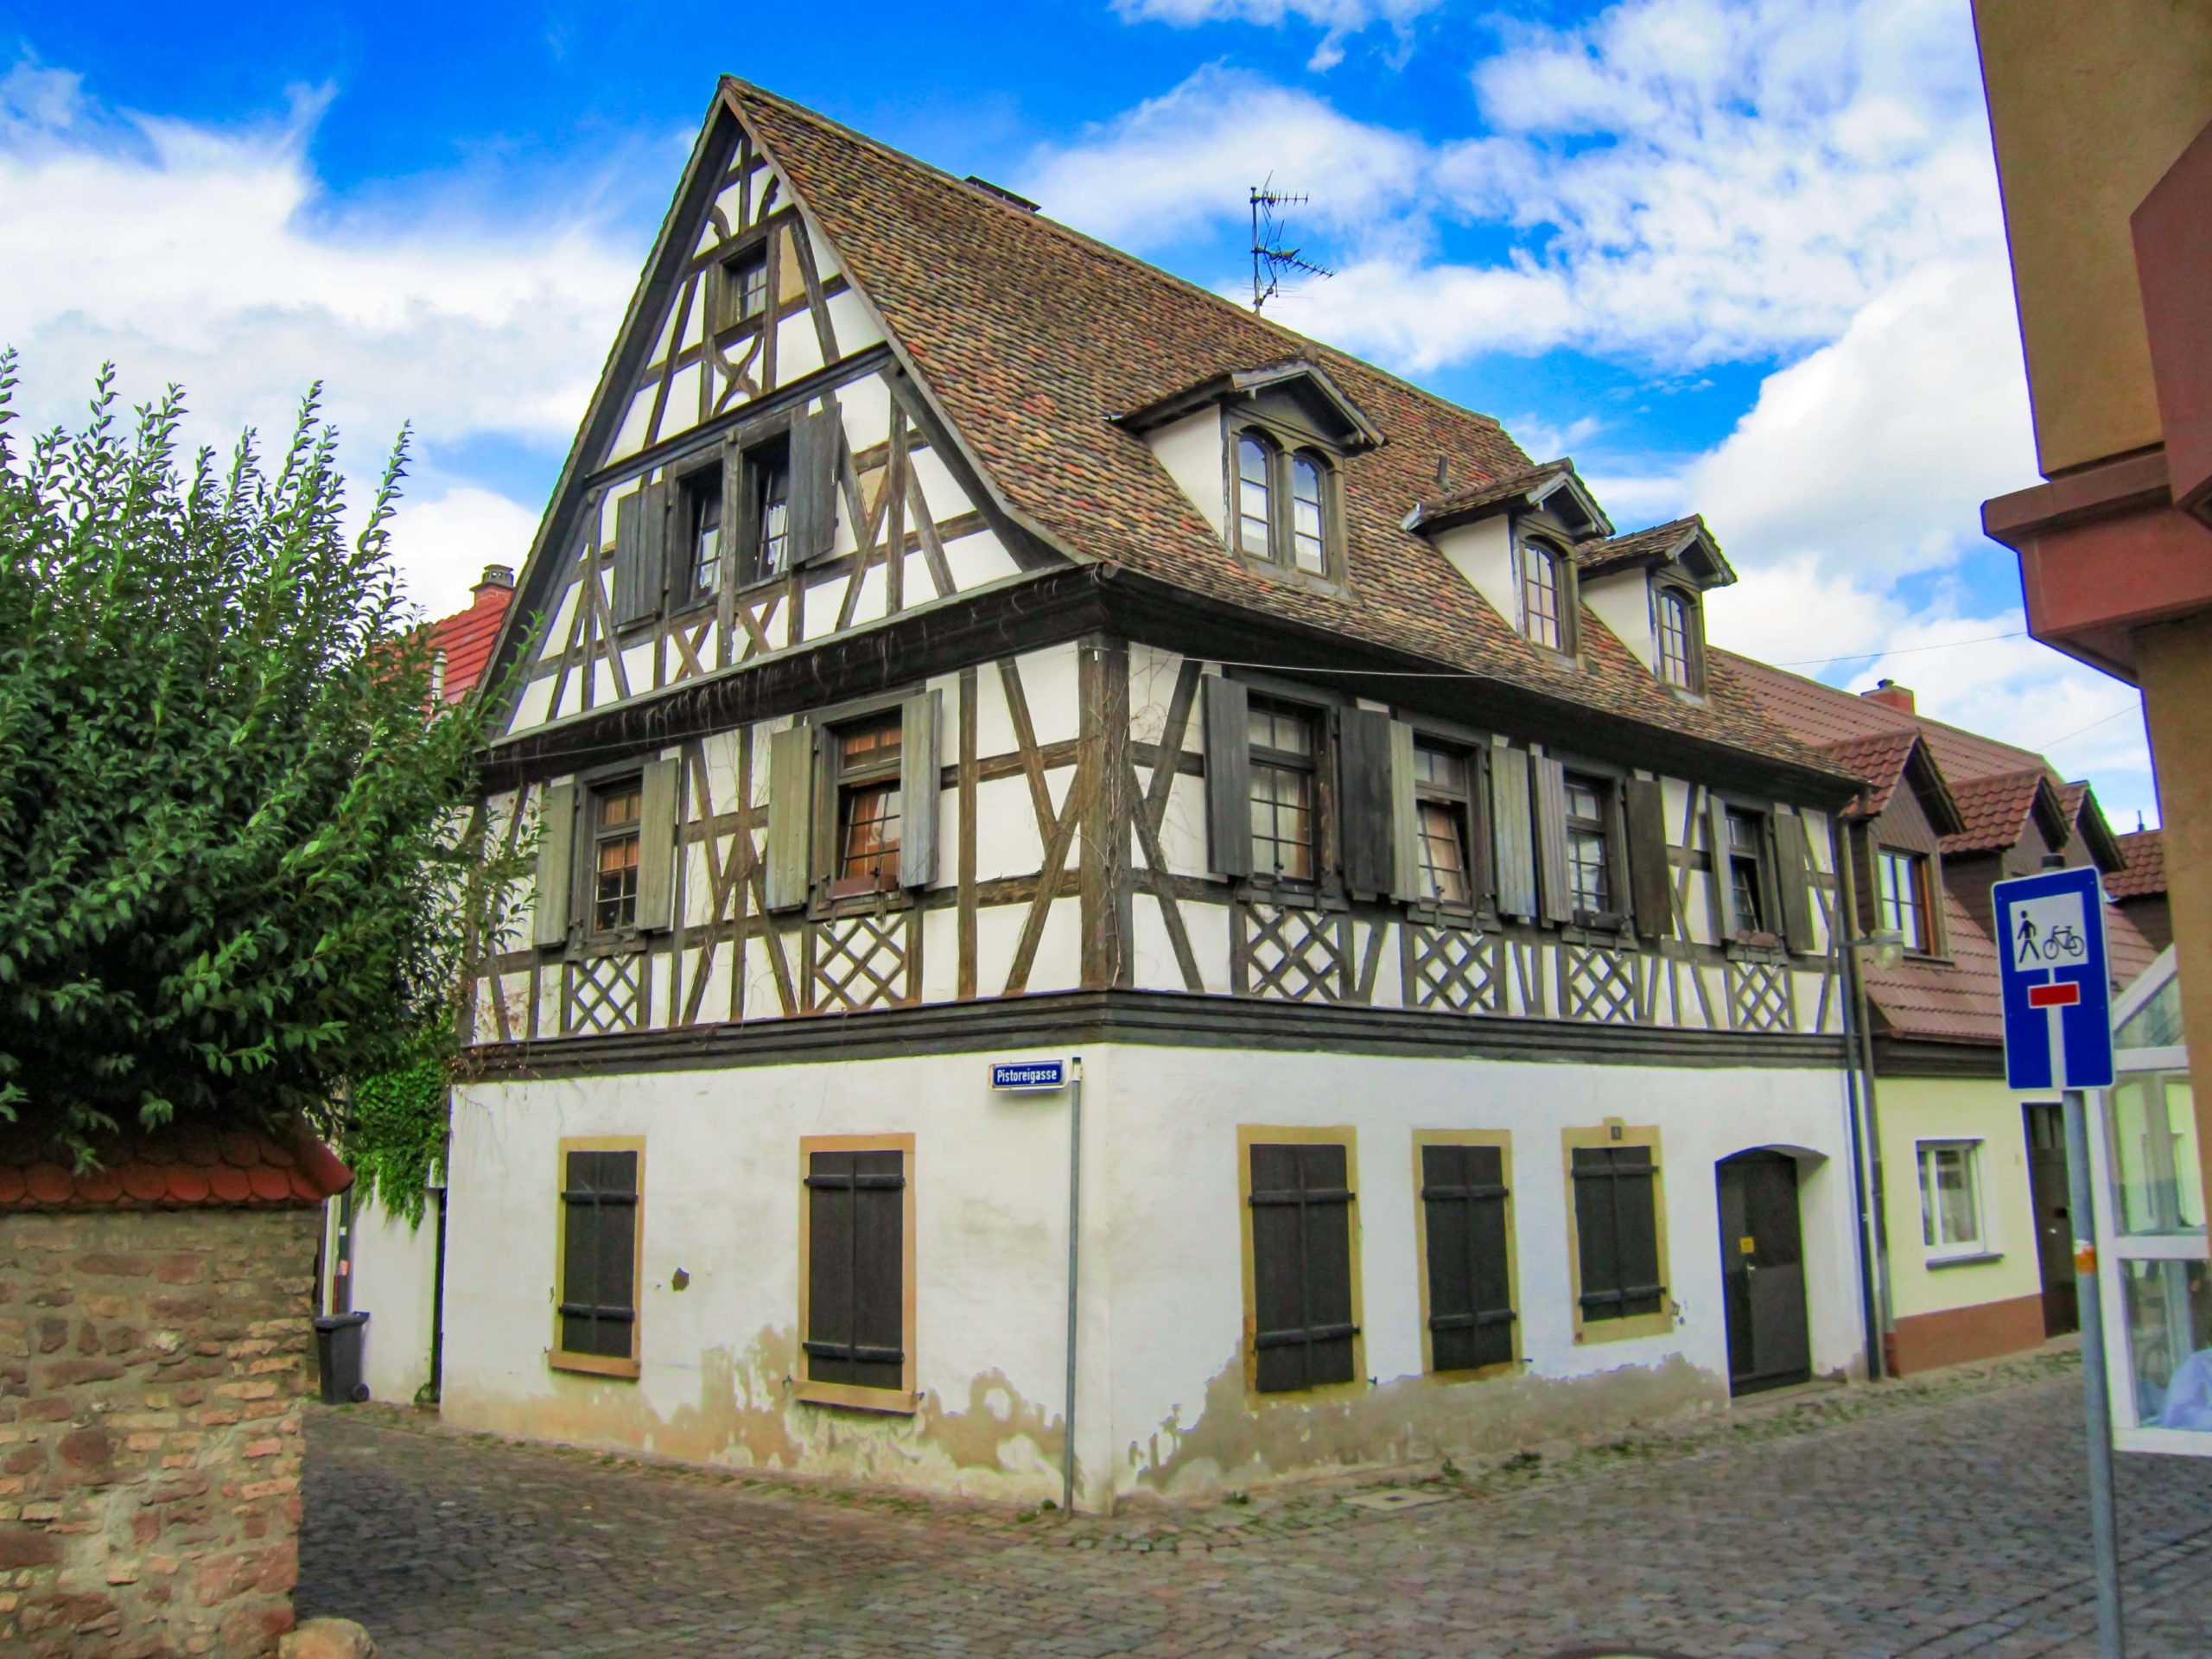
{"points": [[169, 1168], [1957, 1000], [1880, 757], [2145, 872], [1494, 491], [466, 638], [1650, 546], [1995, 808], [1032, 338]]}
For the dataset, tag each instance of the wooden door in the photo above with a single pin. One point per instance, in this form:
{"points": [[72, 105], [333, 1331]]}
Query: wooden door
{"points": [[2051, 1202], [1762, 1272]]}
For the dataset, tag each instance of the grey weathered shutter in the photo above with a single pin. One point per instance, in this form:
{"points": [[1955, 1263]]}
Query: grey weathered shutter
{"points": [[1228, 777], [1548, 783], [1364, 771], [656, 847], [1405, 816], [640, 563], [1792, 879], [919, 777], [814, 438], [1651, 891], [1511, 831], [556, 845], [791, 814], [1724, 887], [735, 510]]}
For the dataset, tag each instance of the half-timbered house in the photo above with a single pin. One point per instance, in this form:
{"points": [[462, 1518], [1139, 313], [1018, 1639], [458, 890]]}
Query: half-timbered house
{"points": [[951, 640]]}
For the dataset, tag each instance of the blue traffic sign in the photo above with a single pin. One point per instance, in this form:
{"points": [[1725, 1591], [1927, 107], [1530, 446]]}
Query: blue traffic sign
{"points": [[1029, 1074], [2057, 991]]}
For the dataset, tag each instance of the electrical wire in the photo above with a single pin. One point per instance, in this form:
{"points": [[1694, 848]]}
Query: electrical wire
{"points": [[1900, 651], [2128, 708]]}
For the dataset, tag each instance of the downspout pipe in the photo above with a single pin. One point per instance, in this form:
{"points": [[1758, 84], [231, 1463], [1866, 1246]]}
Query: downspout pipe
{"points": [[1865, 1124]]}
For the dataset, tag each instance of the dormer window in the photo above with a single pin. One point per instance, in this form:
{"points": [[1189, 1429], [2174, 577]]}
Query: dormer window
{"points": [[1678, 642], [1283, 513], [1543, 591]]}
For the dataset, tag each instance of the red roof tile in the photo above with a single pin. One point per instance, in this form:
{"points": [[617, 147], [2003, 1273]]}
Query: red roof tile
{"points": [[1995, 808], [2145, 873], [1649, 546], [466, 638], [172, 1168], [1880, 757]]}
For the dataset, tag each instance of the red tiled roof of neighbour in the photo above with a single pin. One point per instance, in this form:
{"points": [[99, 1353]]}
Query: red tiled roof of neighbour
{"points": [[1880, 757], [1032, 338], [2127, 953], [186, 1166], [1995, 807], [1953, 1001], [466, 637], [2145, 873]]}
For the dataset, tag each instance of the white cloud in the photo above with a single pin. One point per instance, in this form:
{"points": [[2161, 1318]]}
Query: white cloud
{"points": [[1340, 19], [443, 544], [1185, 159], [211, 258]]}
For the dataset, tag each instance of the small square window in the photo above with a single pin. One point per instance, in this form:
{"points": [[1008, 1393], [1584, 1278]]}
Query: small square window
{"points": [[747, 279], [1950, 1197], [1901, 880]]}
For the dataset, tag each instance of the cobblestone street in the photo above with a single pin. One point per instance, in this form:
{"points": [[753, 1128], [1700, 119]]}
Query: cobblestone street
{"points": [[1936, 1520]]}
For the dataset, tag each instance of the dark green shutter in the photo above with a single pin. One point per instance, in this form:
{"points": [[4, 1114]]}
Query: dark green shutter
{"points": [[1470, 1284], [920, 718], [1651, 887], [1512, 832], [1617, 1232], [1228, 777], [1369, 836], [599, 1262], [1793, 878], [1303, 1332], [657, 850], [791, 815], [556, 844], [1405, 817], [855, 1268]]}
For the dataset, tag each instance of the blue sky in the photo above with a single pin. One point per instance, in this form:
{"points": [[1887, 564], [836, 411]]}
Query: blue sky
{"points": [[1740, 256]]}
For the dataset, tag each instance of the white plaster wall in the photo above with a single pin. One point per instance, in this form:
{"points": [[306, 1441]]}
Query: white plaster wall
{"points": [[1483, 553], [1191, 451], [1623, 603], [394, 1283]]}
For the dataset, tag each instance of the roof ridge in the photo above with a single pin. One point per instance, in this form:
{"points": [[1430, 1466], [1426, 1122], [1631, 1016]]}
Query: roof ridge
{"points": [[1093, 246]]}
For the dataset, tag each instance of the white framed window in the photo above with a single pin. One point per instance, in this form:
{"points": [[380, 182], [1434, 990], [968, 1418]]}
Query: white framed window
{"points": [[1950, 1197]]}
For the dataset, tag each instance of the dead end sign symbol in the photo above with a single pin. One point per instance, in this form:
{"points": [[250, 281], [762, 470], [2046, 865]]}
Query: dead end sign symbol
{"points": [[2054, 996]]}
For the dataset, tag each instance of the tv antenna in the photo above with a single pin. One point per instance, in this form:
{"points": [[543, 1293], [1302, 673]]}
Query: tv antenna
{"points": [[1270, 259]]}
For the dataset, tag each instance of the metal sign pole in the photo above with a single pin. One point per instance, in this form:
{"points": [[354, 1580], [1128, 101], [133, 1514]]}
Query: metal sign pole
{"points": [[2096, 1388], [1075, 1266]]}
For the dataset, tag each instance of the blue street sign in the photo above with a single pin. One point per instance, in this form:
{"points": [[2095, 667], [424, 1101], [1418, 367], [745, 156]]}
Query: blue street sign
{"points": [[1023, 1075], [2057, 993]]}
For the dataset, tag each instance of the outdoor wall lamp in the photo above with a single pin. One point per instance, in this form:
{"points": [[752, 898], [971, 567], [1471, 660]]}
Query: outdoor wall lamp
{"points": [[1887, 945]]}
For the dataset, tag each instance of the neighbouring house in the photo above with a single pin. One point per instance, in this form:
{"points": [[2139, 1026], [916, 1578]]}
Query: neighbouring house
{"points": [[953, 641], [2139, 887], [1979, 1256], [155, 1329], [379, 1263]]}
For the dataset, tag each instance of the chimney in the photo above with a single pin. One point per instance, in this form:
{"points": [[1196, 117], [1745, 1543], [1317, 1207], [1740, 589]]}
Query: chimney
{"points": [[499, 579], [1890, 695]]}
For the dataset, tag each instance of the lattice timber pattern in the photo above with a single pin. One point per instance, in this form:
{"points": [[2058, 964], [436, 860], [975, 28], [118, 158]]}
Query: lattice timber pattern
{"points": [[1299, 955], [861, 962], [1454, 969], [1596, 984], [1760, 994], [605, 993]]}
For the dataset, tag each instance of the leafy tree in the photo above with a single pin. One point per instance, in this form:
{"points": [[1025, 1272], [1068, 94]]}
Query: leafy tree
{"points": [[238, 867]]}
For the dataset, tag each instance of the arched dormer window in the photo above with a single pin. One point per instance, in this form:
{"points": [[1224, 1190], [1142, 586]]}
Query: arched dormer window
{"points": [[1543, 595], [1255, 493], [1285, 517], [1678, 641]]}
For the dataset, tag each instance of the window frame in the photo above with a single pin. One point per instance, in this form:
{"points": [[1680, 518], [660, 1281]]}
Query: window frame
{"points": [[1612, 1134], [693, 486], [1769, 935], [746, 556], [1671, 594], [1319, 765], [1939, 1250], [1249, 1135], [591, 792], [1501, 1139], [556, 1357], [1920, 941], [905, 1399], [761, 242], [1566, 595], [1473, 802], [1283, 448], [1614, 828], [833, 891]]}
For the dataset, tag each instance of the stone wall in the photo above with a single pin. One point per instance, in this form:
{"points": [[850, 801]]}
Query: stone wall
{"points": [[152, 1364]]}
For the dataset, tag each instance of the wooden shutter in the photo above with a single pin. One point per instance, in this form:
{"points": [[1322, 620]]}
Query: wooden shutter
{"points": [[556, 852], [1547, 781], [657, 846], [814, 440], [1303, 1332], [1793, 878], [1370, 836], [1405, 816], [1617, 1232], [640, 553], [1650, 883], [1725, 920], [919, 777], [1511, 831], [855, 1268], [791, 815], [1470, 1284], [1228, 777], [599, 1261]]}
